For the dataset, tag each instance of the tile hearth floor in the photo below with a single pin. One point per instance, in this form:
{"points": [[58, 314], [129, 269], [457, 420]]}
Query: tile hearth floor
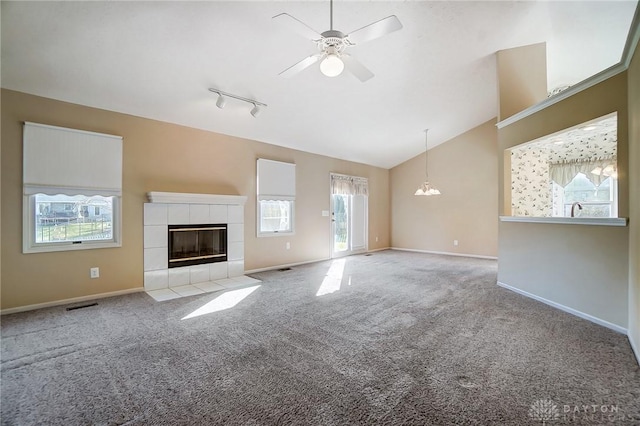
{"points": [[201, 288]]}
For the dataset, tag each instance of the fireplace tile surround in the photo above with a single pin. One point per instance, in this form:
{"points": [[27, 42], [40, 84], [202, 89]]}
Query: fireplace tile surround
{"points": [[166, 208]]}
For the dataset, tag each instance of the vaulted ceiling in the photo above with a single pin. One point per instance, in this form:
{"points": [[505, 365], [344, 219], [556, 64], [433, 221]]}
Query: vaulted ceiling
{"points": [[158, 59]]}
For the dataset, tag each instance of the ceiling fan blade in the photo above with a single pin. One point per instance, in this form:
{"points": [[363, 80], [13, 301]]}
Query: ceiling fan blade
{"points": [[354, 66], [305, 63], [377, 29], [297, 26]]}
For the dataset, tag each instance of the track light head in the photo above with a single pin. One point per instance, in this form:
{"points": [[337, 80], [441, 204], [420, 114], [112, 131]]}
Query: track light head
{"points": [[221, 102], [256, 111]]}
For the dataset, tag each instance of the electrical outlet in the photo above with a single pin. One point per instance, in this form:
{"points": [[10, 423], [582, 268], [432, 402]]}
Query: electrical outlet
{"points": [[95, 272], [455, 242], [376, 239], [288, 245]]}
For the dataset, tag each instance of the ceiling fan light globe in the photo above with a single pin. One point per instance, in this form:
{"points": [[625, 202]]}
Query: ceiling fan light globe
{"points": [[332, 65]]}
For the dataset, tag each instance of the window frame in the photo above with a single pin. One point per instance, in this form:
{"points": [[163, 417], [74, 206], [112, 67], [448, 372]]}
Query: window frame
{"points": [[275, 181], [261, 233], [29, 230], [612, 202]]}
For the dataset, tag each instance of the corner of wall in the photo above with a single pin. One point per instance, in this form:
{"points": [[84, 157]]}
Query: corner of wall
{"points": [[633, 99]]}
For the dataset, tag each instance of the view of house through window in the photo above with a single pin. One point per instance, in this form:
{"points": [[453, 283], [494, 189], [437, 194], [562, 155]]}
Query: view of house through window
{"points": [[60, 218]]}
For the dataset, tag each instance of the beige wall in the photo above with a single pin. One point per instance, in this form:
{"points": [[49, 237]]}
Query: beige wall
{"points": [[464, 170], [522, 78], [634, 201], [164, 157], [582, 267]]}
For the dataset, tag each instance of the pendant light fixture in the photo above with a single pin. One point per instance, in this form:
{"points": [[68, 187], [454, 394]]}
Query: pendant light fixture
{"points": [[425, 188]]}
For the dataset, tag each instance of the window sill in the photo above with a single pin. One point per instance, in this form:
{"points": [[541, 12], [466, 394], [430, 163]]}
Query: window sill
{"points": [[276, 234], [41, 248], [597, 221]]}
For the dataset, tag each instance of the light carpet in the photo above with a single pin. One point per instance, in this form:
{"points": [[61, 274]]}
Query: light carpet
{"points": [[391, 338]]}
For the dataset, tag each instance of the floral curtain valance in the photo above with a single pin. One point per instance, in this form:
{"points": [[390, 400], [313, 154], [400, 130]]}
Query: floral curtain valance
{"points": [[563, 173], [349, 185]]}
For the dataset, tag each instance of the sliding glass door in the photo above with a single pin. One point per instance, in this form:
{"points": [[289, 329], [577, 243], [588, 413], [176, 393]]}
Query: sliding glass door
{"points": [[348, 224], [349, 200]]}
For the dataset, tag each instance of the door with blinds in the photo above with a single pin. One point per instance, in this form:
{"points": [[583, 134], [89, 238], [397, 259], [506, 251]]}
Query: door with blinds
{"points": [[349, 205]]}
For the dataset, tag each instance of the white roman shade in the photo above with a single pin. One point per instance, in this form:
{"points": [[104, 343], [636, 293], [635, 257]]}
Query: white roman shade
{"points": [[58, 160], [276, 180]]}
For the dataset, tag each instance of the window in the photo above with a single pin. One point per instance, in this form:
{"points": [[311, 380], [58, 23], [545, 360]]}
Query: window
{"points": [[275, 198], [64, 218], [72, 185], [276, 216], [595, 201], [576, 165]]}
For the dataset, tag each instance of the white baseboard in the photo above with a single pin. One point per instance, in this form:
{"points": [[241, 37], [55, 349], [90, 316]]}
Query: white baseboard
{"points": [[634, 347], [378, 249], [289, 265], [67, 301], [446, 253], [286, 265], [567, 309]]}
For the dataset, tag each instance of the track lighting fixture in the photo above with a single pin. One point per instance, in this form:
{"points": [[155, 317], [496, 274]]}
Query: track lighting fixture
{"points": [[221, 102]]}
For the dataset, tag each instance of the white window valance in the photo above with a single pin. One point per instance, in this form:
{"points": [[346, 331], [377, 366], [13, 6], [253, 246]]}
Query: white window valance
{"points": [[58, 160], [563, 173], [349, 185], [276, 180]]}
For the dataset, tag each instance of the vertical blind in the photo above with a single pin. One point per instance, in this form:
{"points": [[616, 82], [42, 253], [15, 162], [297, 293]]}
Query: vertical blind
{"points": [[58, 160], [276, 180]]}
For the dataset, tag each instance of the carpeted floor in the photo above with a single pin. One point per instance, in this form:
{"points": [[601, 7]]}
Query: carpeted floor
{"points": [[407, 338]]}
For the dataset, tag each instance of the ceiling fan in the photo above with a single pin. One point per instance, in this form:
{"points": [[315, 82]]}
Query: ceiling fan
{"points": [[332, 45]]}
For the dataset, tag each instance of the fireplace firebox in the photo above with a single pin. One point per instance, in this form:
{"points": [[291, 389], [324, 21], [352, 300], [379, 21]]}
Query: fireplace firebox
{"points": [[197, 244]]}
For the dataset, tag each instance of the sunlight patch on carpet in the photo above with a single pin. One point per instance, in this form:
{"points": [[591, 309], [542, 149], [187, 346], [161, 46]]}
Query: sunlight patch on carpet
{"points": [[333, 279], [224, 301]]}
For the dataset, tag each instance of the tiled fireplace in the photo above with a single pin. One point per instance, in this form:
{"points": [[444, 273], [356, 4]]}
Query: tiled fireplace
{"points": [[206, 254]]}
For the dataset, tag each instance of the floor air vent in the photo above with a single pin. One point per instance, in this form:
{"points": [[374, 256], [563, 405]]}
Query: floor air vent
{"points": [[73, 308], [284, 269]]}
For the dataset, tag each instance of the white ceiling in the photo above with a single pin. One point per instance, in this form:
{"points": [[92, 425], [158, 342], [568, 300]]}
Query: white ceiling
{"points": [[157, 60]]}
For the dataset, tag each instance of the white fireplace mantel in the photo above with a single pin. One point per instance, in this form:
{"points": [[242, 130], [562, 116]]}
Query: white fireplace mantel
{"points": [[186, 198]]}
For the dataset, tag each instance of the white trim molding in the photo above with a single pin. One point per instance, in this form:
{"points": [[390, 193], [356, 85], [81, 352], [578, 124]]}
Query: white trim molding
{"points": [[68, 301], [286, 265], [634, 347], [622, 66], [576, 88], [567, 309], [446, 253], [600, 221]]}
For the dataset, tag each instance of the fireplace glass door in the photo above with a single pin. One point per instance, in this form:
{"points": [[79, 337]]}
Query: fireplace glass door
{"points": [[197, 244]]}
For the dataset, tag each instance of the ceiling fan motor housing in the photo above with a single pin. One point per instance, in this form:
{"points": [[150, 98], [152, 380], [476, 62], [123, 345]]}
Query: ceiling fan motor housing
{"points": [[333, 41]]}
